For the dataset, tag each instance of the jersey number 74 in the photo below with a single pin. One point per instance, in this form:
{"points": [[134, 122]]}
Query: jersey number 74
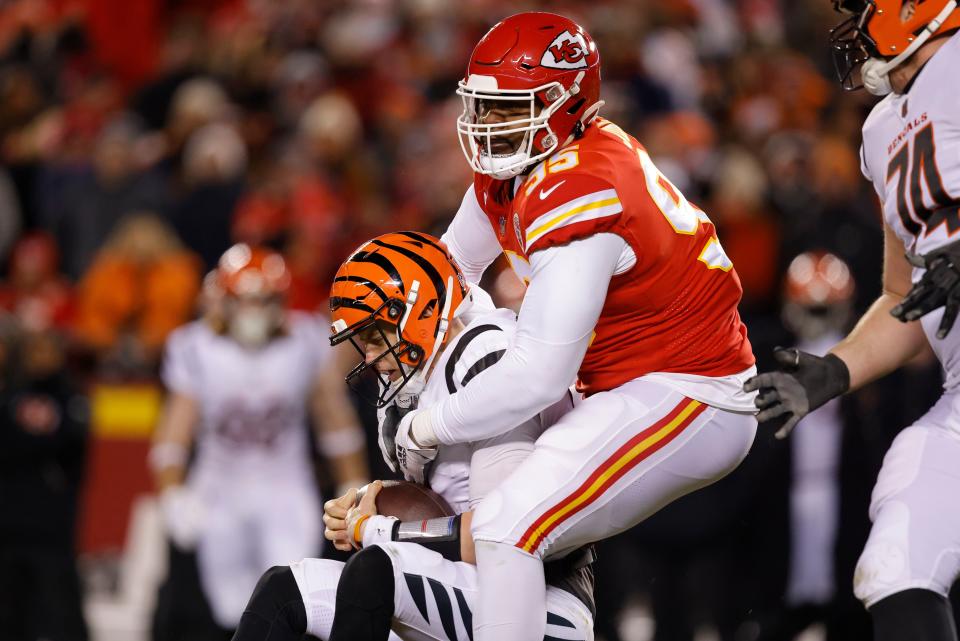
{"points": [[945, 210]]}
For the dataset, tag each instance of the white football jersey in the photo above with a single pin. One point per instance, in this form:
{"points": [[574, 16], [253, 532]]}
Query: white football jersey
{"points": [[253, 402], [911, 154], [456, 474]]}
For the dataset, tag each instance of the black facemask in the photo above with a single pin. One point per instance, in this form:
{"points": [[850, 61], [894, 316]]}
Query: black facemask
{"points": [[850, 43]]}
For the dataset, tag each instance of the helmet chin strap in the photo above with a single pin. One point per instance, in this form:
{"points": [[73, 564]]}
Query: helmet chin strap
{"points": [[875, 72]]}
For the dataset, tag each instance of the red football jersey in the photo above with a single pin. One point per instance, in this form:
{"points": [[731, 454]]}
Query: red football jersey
{"points": [[675, 310]]}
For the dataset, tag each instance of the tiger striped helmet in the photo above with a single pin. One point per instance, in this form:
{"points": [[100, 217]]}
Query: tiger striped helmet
{"points": [[406, 287]]}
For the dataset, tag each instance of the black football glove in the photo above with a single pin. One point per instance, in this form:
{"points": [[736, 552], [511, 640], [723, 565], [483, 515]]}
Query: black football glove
{"points": [[802, 383], [938, 287]]}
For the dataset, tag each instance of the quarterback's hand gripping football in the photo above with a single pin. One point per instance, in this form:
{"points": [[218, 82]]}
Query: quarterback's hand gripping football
{"points": [[938, 287], [335, 520], [388, 421], [413, 458], [802, 383], [358, 514]]}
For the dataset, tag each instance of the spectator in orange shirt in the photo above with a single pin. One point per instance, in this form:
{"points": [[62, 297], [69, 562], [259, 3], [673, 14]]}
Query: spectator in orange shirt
{"points": [[142, 284]]}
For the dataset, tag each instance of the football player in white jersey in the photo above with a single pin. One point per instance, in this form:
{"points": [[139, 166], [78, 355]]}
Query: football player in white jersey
{"points": [[241, 382], [414, 578], [908, 51]]}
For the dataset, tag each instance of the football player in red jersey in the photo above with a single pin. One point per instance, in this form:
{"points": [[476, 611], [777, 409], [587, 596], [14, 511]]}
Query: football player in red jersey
{"points": [[629, 292]]}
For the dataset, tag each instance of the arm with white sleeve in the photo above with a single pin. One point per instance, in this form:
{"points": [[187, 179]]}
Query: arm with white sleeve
{"points": [[471, 239], [567, 290], [183, 512]]}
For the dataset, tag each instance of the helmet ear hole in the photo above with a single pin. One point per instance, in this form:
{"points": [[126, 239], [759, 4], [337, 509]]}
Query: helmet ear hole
{"points": [[575, 107], [428, 310]]}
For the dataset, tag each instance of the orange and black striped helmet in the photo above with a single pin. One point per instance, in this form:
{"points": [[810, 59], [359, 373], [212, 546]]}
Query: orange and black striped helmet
{"points": [[404, 283]]}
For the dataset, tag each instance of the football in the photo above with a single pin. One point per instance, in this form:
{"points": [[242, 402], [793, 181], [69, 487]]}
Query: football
{"points": [[411, 502]]}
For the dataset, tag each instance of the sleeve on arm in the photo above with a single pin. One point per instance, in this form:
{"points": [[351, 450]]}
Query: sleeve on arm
{"points": [[865, 170], [471, 239], [181, 365], [561, 307]]}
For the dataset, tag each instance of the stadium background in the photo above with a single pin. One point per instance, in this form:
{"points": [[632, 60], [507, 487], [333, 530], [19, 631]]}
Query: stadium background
{"points": [[140, 139]]}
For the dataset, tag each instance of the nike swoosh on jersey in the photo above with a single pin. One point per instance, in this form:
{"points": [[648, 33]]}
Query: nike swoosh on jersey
{"points": [[546, 192]]}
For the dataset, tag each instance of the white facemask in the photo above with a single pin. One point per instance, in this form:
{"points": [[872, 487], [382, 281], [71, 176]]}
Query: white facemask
{"points": [[252, 327]]}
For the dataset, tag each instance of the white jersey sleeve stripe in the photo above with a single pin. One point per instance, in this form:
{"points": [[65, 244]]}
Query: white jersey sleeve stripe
{"points": [[595, 205]]}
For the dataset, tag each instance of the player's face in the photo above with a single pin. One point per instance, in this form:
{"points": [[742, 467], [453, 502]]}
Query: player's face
{"points": [[495, 112], [252, 320], [373, 343]]}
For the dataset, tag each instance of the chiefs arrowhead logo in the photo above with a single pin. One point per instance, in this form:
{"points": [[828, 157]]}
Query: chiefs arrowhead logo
{"points": [[567, 51]]}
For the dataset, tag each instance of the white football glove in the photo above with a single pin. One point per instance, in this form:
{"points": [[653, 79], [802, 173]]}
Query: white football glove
{"points": [[388, 419], [412, 458], [184, 514]]}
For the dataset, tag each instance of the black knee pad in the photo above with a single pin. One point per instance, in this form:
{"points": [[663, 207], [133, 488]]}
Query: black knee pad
{"points": [[367, 580], [364, 598], [913, 615], [275, 610]]}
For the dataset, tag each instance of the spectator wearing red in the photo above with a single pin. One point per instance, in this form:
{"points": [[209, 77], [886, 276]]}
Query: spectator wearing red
{"points": [[35, 292]]}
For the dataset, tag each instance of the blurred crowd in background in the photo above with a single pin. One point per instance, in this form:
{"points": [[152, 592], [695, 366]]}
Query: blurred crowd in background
{"points": [[139, 140]]}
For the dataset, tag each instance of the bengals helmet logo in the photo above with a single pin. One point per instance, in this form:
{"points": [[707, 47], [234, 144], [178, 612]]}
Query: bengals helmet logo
{"points": [[567, 51]]}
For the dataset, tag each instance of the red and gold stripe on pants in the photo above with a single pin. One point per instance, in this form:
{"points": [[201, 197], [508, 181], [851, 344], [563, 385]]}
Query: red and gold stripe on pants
{"points": [[627, 457]]}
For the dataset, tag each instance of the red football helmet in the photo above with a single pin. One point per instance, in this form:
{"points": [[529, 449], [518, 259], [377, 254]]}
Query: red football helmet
{"points": [[878, 35], [543, 61]]}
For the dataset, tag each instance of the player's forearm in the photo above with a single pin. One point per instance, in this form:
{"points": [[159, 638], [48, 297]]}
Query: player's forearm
{"points": [[344, 448], [339, 435], [879, 343], [448, 536], [168, 476], [171, 441], [530, 377], [350, 470]]}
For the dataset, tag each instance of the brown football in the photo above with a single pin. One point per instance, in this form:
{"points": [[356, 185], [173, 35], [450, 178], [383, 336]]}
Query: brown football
{"points": [[411, 502]]}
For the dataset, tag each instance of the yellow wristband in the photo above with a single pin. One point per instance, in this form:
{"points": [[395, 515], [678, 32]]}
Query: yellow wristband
{"points": [[357, 539]]}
